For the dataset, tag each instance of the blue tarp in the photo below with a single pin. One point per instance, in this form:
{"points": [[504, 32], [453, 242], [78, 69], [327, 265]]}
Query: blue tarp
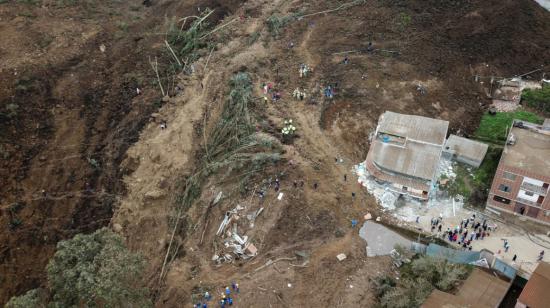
{"points": [[452, 255], [505, 269]]}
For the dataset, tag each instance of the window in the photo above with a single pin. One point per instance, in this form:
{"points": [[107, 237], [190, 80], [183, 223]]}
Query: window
{"points": [[509, 176], [504, 188], [501, 200], [528, 193]]}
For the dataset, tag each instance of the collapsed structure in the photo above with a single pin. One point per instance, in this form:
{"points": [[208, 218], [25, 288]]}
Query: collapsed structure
{"points": [[405, 151], [522, 178]]}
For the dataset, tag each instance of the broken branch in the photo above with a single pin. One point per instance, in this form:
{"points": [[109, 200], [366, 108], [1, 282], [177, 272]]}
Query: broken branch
{"points": [[154, 66], [341, 7]]}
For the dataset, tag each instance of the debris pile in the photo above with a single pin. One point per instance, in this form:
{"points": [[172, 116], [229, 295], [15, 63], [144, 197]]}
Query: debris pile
{"points": [[235, 245]]}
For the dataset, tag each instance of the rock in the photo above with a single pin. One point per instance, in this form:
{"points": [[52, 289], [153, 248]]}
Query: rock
{"points": [[117, 228], [102, 47], [368, 216], [155, 194], [166, 98], [378, 218], [341, 257]]}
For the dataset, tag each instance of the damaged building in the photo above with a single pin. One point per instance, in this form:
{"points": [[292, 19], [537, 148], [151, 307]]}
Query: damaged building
{"points": [[522, 178], [405, 151]]}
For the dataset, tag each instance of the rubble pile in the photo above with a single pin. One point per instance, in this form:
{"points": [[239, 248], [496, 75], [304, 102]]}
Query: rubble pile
{"points": [[236, 245]]}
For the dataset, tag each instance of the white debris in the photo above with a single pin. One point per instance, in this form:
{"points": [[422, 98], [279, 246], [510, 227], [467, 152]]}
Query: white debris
{"points": [[341, 257], [280, 196]]}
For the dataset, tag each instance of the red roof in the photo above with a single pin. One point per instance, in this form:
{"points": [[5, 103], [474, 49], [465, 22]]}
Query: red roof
{"points": [[536, 293]]}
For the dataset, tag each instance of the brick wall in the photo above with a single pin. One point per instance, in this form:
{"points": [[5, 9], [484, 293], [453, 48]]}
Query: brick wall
{"points": [[514, 189]]}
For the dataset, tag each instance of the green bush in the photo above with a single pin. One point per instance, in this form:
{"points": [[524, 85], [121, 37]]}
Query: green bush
{"points": [[31, 299], [418, 279], [537, 98], [96, 270]]}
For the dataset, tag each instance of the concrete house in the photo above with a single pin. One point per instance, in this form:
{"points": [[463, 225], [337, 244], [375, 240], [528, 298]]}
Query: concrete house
{"points": [[522, 178], [465, 150], [405, 152]]}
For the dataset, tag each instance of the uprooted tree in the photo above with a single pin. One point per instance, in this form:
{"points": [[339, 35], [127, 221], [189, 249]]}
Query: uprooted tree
{"points": [[93, 270]]}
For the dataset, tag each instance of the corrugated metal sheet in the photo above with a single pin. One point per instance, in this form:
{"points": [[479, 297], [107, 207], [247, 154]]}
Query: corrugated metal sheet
{"points": [[414, 127], [467, 148]]}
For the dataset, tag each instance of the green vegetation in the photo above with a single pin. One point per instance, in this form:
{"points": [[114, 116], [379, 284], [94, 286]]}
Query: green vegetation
{"points": [[537, 98], [31, 299], [252, 38], [494, 128], [276, 23], [92, 270], [404, 20], [474, 183], [418, 279], [187, 43]]}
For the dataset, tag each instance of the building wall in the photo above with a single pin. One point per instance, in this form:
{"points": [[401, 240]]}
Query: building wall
{"points": [[516, 191]]}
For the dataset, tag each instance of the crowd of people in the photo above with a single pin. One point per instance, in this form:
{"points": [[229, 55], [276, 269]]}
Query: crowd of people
{"points": [[227, 297], [469, 230]]}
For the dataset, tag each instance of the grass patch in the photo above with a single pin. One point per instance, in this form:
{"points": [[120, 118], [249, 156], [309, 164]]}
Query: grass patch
{"points": [[494, 128], [538, 99], [462, 184]]}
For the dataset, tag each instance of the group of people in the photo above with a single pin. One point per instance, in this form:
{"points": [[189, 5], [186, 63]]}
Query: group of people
{"points": [[468, 231], [227, 297]]}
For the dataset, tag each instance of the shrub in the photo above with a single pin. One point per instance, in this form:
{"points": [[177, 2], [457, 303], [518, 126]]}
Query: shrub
{"points": [[96, 270], [537, 98], [418, 280], [31, 299]]}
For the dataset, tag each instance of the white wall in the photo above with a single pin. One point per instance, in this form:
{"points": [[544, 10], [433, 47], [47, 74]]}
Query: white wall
{"points": [[532, 198], [533, 181], [544, 3]]}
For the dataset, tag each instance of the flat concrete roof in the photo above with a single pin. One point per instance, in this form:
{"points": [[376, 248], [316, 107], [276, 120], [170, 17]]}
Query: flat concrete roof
{"points": [[468, 148], [413, 127], [531, 151]]}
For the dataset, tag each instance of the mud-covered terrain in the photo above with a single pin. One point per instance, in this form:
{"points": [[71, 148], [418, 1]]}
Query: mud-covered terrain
{"points": [[81, 149]]}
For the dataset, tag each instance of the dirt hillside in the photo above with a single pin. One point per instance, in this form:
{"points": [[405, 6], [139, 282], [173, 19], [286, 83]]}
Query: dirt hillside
{"points": [[82, 149]]}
